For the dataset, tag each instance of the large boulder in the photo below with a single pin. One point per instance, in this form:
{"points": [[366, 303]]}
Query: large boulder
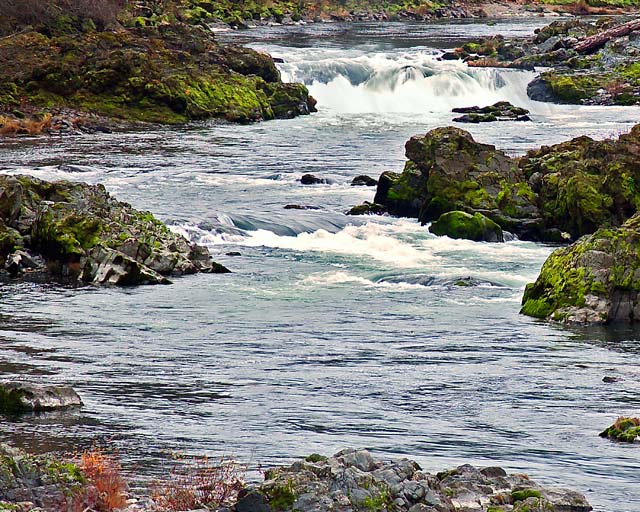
{"points": [[169, 73], [16, 397], [554, 194], [79, 233], [475, 227], [354, 480], [584, 184], [596, 280]]}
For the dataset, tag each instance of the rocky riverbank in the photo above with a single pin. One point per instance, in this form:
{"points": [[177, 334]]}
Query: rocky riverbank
{"points": [[350, 481], [594, 62], [67, 69], [78, 233]]}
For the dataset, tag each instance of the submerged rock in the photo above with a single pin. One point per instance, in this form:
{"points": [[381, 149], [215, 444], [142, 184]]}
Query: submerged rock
{"points": [[475, 227], [624, 429], [310, 179], [500, 111], [353, 480], [16, 397], [78, 233], [368, 208], [594, 281]]}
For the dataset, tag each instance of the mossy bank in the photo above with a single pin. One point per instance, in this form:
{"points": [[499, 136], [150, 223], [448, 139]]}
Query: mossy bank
{"points": [[165, 74]]}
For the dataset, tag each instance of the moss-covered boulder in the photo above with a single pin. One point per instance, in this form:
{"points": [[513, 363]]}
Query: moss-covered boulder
{"points": [[165, 74], [448, 170], [79, 233], [596, 280], [624, 429], [475, 227], [553, 194], [584, 184], [500, 111]]}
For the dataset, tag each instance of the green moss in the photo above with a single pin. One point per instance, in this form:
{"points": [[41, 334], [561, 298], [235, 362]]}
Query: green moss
{"points": [[380, 501], [537, 308], [457, 224], [624, 429], [524, 494], [282, 497], [315, 457]]}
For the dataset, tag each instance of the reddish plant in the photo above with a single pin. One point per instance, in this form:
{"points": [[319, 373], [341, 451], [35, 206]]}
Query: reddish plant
{"points": [[106, 488], [199, 483]]}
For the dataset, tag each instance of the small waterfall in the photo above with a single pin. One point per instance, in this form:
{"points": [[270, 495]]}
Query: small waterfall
{"points": [[401, 82]]}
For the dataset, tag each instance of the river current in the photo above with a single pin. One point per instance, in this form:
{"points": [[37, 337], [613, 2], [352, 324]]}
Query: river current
{"points": [[332, 331]]}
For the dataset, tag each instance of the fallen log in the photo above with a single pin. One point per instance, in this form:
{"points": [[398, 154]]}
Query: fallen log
{"points": [[595, 42]]}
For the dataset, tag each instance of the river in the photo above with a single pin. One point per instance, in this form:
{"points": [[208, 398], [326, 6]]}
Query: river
{"points": [[332, 331]]}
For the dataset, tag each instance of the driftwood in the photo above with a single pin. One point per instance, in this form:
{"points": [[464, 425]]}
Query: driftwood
{"points": [[593, 43]]}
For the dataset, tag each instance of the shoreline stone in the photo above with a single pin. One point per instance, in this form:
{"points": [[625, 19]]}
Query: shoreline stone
{"points": [[352, 480], [20, 397]]}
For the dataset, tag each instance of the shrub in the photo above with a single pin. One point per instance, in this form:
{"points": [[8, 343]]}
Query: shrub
{"points": [[198, 483]]}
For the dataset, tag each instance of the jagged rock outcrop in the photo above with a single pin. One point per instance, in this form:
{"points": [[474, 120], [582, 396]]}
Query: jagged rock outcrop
{"points": [[78, 233], [500, 111], [352, 480], [556, 193]]}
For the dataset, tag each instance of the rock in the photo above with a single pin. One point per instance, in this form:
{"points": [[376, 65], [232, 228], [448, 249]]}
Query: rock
{"points": [[233, 253], [555, 193], [31, 483], [18, 397], [78, 233], [354, 480], [596, 280], [168, 72], [624, 429], [368, 208], [363, 181], [310, 179], [607, 379], [500, 111], [252, 501], [300, 207], [477, 227]]}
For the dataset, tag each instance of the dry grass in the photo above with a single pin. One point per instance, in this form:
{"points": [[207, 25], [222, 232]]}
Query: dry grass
{"points": [[14, 126], [199, 483], [619, 422]]}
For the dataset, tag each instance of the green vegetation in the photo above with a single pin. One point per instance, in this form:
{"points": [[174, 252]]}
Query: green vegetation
{"points": [[477, 227], [524, 494], [282, 497], [624, 429]]}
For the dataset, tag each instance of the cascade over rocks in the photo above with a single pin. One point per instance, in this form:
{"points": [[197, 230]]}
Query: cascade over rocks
{"points": [[553, 194], [78, 233], [353, 481]]}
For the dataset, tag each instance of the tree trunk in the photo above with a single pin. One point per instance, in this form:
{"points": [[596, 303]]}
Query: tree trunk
{"points": [[593, 43]]}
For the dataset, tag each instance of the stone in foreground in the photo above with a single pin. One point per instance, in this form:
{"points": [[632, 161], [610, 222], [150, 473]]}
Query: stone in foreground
{"points": [[624, 429], [18, 397], [596, 280], [352, 480]]}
